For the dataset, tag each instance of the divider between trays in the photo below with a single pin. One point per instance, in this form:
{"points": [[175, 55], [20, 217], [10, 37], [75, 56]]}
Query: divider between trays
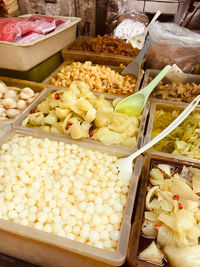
{"points": [[114, 258], [133, 249]]}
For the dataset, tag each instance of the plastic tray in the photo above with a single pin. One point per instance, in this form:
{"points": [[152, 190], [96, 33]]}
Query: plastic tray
{"points": [[4, 129], [98, 58], [136, 242], [187, 78], [37, 73], [116, 68], [37, 87], [50, 250], [17, 123], [165, 105], [23, 57]]}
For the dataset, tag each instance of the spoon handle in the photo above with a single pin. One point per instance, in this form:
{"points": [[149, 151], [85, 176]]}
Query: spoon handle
{"points": [[144, 49], [149, 88], [153, 20], [167, 130]]}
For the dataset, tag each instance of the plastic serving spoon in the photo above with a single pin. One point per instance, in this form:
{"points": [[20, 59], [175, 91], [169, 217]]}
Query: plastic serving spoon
{"points": [[125, 164], [134, 104], [138, 41], [134, 67]]}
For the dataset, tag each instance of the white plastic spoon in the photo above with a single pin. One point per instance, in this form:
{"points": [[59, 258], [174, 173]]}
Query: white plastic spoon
{"points": [[125, 165], [138, 41]]}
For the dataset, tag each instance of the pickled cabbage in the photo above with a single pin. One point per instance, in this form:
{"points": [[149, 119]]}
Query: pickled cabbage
{"points": [[184, 140]]}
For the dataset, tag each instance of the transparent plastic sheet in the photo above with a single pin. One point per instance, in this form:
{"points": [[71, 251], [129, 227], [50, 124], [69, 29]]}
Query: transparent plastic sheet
{"points": [[119, 10], [173, 44], [29, 38]]}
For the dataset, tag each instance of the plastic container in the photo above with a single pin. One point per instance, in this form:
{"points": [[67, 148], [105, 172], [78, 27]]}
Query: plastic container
{"points": [[36, 87], [45, 249], [37, 73], [140, 136], [136, 242], [4, 129], [23, 57], [116, 68], [98, 58], [186, 78], [167, 106]]}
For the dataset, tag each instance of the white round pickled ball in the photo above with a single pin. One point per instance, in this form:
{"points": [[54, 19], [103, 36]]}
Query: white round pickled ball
{"points": [[21, 104], [96, 220], [48, 228], [107, 243], [38, 226], [70, 236], [2, 110], [10, 93], [23, 96], [94, 236], [9, 103], [114, 235], [114, 219], [118, 206], [12, 112], [104, 235], [3, 88], [28, 91]]}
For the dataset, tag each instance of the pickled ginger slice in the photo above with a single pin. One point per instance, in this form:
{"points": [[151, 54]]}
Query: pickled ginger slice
{"points": [[184, 257], [149, 229], [153, 192], [183, 190], [166, 219], [152, 254], [196, 183], [184, 220], [168, 237], [165, 168]]}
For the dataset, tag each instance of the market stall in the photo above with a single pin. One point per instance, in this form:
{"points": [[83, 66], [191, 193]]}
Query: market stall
{"points": [[63, 198]]}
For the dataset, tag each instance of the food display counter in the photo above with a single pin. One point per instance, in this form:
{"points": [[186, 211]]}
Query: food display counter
{"points": [[63, 199]]}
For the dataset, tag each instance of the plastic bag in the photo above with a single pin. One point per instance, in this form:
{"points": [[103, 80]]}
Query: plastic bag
{"points": [[119, 10], [129, 28], [15, 29], [173, 44], [29, 38]]}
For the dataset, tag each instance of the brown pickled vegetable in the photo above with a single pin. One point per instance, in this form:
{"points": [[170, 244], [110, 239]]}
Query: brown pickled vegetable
{"points": [[176, 91], [107, 45]]}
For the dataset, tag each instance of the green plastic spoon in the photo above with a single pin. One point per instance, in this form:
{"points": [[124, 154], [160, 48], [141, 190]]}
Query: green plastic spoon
{"points": [[134, 104]]}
